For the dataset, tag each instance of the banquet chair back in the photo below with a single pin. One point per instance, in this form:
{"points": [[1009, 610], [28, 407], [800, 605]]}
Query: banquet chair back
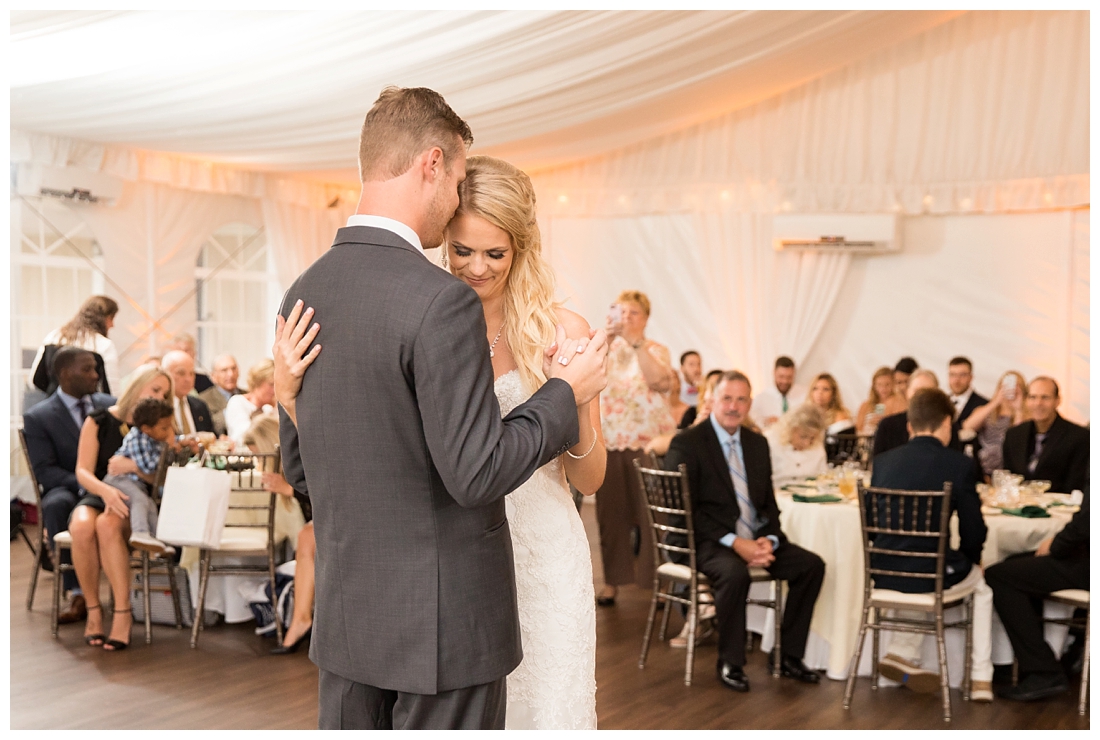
{"points": [[669, 512], [244, 531], [906, 518], [849, 447], [1078, 599], [35, 541]]}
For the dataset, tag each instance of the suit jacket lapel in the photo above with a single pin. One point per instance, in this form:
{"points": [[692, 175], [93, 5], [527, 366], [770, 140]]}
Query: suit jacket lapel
{"points": [[69, 424]]}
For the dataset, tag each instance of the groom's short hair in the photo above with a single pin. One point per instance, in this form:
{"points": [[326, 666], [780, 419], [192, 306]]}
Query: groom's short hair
{"points": [[401, 124]]}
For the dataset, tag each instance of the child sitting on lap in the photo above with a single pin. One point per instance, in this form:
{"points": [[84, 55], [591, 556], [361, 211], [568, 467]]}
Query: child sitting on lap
{"points": [[152, 428]]}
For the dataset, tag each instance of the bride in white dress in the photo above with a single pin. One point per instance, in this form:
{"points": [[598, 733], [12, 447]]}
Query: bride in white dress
{"points": [[493, 245]]}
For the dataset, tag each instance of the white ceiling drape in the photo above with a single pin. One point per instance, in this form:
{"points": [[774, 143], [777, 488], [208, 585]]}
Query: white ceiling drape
{"points": [[986, 113]]}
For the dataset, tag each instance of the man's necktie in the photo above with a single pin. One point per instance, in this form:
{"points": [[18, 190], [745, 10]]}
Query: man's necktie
{"points": [[784, 404], [746, 520], [1034, 461], [85, 409]]}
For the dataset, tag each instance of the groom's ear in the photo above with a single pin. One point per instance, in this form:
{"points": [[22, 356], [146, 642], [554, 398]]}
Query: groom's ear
{"points": [[433, 164]]}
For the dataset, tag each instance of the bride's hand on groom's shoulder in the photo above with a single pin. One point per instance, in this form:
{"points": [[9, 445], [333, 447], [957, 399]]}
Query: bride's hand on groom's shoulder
{"points": [[293, 337]]}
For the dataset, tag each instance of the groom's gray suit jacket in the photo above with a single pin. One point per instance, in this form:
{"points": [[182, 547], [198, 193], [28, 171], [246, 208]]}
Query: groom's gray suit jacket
{"points": [[408, 462]]}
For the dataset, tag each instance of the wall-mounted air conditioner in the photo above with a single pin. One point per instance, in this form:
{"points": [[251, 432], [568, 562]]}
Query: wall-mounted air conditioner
{"points": [[853, 233], [72, 184]]}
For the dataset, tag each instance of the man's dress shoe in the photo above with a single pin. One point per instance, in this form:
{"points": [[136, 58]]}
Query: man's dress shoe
{"points": [[77, 611], [791, 667], [1035, 686], [732, 676]]}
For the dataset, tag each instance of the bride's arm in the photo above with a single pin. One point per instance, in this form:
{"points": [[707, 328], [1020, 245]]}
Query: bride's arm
{"points": [[586, 474]]}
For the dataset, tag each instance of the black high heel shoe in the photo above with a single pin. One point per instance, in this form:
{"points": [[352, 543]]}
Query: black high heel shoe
{"points": [[293, 647], [115, 645], [96, 638]]}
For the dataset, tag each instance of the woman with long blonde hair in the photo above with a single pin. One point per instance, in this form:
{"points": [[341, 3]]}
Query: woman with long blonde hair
{"points": [[494, 246], [881, 401]]}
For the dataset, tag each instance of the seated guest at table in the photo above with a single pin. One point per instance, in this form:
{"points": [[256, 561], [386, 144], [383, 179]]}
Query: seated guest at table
{"points": [[779, 397], [184, 342], [260, 397], [825, 394], [676, 403], [52, 431], [925, 463], [1019, 583], [224, 375], [737, 526], [262, 437], [100, 523], [1048, 447], [881, 402], [960, 376], [893, 431], [797, 445], [902, 372], [191, 413], [691, 371], [989, 423]]}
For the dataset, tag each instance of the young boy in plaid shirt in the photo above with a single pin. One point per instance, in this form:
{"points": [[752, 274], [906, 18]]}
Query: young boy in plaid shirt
{"points": [[151, 429]]}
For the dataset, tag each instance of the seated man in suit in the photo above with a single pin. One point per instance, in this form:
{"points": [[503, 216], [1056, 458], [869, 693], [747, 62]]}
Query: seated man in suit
{"points": [[893, 431], [1019, 584], [224, 375], [184, 342], [52, 431], [191, 413], [737, 525], [925, 463], [1048, 447]]}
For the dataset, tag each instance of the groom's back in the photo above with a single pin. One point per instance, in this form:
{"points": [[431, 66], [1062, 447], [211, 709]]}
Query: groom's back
{"points": [[414, 592]]}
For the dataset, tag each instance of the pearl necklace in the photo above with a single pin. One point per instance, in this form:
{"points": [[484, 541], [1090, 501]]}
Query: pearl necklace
{"points": [[493, 345]]}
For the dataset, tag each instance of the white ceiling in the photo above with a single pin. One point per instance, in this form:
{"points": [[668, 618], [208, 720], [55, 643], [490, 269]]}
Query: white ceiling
{"points": [[287, 91]]}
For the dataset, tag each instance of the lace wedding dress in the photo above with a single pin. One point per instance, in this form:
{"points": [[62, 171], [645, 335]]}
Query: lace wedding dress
{"points": [[555, 685]]}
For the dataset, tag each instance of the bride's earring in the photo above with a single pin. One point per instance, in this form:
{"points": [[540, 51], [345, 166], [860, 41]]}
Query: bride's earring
{"points": [[444, 257]]}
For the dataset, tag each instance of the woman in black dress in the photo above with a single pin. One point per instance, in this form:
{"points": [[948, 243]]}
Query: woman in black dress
{"points": [[100, 523]]}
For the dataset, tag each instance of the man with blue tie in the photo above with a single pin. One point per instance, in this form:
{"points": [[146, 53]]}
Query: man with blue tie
{"points": [[52, 430], [737, 525]]}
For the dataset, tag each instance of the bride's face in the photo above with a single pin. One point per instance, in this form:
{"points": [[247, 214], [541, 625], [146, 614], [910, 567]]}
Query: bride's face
{"points": [[480, 254]]}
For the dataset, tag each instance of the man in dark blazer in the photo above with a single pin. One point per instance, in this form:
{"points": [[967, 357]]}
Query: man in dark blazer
{"points": [[1048, 447], [52, 431], [893, 430], [737, 526], [401, 438], [926, 463], [224, 375], [1019, 583], [191, 413], [960, 378]]}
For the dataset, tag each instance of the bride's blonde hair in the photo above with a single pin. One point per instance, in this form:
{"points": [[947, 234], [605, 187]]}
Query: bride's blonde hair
{"points": [[503, 195]]}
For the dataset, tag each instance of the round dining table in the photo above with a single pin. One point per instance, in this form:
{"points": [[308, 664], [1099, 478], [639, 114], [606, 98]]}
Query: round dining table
{"points": [[832, 531]]}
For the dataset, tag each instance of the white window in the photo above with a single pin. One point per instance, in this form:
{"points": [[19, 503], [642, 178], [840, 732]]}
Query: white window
{"points": [[238, 296], [56, 265]]}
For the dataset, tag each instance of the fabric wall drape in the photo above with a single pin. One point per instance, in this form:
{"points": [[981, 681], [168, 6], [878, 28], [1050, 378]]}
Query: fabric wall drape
{"points": [[298, 235], [151, 240]]}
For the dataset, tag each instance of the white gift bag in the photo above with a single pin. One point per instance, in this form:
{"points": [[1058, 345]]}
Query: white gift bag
{"points": [[193, 507]]}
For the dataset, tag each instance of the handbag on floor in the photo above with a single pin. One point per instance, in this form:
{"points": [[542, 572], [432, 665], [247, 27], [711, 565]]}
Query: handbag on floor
{"points": [[161, 610]]}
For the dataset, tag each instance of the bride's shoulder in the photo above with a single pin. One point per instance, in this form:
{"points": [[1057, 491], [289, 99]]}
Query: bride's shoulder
{"points": [[575, 324]]}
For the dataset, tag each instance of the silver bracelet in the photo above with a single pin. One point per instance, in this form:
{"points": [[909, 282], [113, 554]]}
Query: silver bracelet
{"points": [[581, 457]]}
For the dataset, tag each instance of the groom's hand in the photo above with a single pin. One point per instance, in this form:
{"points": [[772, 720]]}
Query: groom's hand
{"points": [[582, 363]]}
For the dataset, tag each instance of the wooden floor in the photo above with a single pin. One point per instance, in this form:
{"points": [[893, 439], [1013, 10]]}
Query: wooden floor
{"points": [[230, 682]]}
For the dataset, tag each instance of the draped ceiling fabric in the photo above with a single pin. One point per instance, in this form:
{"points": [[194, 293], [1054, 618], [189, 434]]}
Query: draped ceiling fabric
{"points": [[660, 144]]}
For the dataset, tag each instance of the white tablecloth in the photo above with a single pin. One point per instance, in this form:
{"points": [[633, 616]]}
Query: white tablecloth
{"points": [[832, 531]]}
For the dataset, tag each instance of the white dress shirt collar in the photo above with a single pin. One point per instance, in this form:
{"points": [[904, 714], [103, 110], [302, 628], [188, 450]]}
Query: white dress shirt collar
{"points": [[724, 437], [963, 399], [72, 403], [389, 224]]}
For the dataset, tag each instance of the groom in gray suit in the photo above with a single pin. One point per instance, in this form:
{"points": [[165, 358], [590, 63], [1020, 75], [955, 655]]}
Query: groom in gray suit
{"points": [[407, 457]]}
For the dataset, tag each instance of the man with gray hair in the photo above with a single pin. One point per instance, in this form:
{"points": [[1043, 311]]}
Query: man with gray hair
{"points": [[225, 375], [191, 413]]}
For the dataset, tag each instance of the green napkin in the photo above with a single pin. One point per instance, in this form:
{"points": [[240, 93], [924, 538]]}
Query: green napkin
{"points": [[825, 498], [1028, 512]]}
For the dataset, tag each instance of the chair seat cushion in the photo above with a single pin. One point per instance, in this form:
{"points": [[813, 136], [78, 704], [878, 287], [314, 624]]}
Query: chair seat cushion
{"points": [[243, 539], [922, 601], [63, 539], [1072, 595], [682, 573]]}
